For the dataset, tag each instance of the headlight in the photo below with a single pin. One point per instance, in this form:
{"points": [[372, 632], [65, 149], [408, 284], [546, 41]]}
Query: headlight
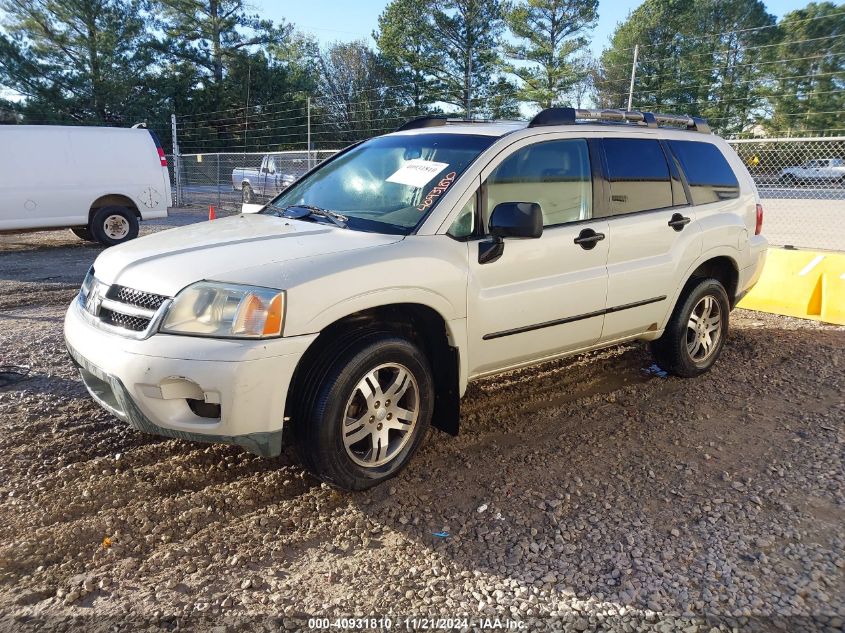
{"points": [[208, 308], [87, 283]]}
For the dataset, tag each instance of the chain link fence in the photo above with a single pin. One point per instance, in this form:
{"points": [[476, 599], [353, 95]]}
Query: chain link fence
{"points": [[227, 180], [801, 182]]}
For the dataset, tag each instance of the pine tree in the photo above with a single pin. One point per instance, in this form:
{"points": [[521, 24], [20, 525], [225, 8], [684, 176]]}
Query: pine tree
{"points": [[552, 40], [83, 61]]}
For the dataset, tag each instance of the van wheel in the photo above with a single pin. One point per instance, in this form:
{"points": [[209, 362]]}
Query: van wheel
{"points": [[114, 225], [696, 332], [83, 233], [368, 414], [247, 196]]}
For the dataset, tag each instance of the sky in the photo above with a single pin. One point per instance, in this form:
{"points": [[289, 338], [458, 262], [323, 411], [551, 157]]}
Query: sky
{"points": [[344, 20]]}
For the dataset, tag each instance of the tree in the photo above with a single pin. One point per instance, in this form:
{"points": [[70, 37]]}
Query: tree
{"points": [[404, 38], [466, 34], [552, 34], [357, 98], [698, 58], [82, 61], [806, 71], [728, 60], [207, 34], [659, 27]]}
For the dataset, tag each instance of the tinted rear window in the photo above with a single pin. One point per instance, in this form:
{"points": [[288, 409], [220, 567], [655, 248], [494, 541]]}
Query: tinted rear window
{"points": [[638, 175], [709, 175]]}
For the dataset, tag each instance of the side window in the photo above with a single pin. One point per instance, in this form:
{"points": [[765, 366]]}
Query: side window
{"points": [[554, 174], [709, 175], [464, 224], [638, 175]]}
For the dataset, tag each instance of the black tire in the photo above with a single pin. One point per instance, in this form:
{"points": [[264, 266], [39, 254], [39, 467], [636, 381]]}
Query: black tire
{"points": [[672, 350], [102, 225], [322, 410], [84, 233], [247, 194]]}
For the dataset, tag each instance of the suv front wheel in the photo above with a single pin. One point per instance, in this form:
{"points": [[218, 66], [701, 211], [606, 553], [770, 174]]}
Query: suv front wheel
{"points": [[368, 414], [696, 332]]}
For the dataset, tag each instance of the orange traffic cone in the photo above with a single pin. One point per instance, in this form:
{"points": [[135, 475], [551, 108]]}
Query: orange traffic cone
{"points": [[211, 214]]}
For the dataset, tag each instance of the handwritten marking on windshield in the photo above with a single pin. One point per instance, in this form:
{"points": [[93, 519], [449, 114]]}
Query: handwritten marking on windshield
{"points": [[437, 191]]}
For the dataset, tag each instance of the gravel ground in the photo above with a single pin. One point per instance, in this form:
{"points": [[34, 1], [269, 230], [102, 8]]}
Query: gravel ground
{"points": [[583, 495]]}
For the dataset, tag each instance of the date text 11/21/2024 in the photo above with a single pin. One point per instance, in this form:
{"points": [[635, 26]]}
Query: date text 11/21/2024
{"points": [[413, 623]]}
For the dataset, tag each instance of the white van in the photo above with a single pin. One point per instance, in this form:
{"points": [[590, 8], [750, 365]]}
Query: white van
{"points": [[97, 181]]}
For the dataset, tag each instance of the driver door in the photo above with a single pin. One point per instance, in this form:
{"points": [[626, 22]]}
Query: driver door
{"points": [[543, 296]]}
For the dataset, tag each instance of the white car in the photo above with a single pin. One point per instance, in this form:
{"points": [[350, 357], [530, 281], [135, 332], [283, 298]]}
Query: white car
{"points": [[97, 181], [821, 169], [353, 310]]}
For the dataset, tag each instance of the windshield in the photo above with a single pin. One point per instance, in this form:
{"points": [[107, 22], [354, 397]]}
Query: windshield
{"points": [[387, 184]]}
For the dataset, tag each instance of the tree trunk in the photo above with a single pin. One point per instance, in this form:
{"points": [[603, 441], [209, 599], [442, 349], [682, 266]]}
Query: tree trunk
{"points": [[217, 46]]}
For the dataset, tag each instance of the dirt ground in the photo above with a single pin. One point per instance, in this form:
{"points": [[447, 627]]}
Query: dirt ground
{"points": [[587, 495]]}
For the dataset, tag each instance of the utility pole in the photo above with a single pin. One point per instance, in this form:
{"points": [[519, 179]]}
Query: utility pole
{"points": [[633, 76], [308, 125], [177, 162]]}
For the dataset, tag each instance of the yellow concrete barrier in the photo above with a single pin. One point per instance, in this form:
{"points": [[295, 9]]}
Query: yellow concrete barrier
{"points": [[804, 284]]}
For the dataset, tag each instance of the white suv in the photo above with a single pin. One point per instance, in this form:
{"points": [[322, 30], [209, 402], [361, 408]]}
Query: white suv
{"points": [[352, 311]]}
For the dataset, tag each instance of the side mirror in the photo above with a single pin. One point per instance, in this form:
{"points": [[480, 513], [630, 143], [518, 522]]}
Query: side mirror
{"points": [[516, 219], [510, 219]]}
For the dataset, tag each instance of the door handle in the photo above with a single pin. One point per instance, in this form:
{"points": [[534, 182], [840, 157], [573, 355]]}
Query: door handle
{"points": [[588, 239], [678, 222]]}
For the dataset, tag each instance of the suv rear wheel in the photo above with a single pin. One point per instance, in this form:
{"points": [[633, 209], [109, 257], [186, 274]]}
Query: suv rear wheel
{"points": [[114, 225], [696, 332], [368, 414]]}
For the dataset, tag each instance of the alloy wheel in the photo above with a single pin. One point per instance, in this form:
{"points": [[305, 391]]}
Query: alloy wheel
{"points": [[704, 329], [380, 415]]}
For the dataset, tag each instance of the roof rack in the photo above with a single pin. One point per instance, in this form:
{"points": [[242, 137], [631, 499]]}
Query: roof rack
{"points": [[437, 121], [569, 116]]}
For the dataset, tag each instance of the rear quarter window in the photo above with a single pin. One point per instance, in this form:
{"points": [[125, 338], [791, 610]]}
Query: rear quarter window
{"points": [[708, 173]]}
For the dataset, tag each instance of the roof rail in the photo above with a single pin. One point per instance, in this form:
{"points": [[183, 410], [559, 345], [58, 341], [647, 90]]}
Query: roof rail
{"points": [[437, 120], [422, 121], [569, 116]]}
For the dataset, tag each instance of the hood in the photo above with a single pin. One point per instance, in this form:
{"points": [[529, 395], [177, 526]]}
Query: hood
{"points": [[167, 261]]}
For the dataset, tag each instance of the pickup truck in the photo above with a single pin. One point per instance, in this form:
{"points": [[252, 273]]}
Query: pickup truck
{"points": [[263, 183]]}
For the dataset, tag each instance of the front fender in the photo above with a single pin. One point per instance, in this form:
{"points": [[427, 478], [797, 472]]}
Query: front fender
{"points": [[383, 297]]}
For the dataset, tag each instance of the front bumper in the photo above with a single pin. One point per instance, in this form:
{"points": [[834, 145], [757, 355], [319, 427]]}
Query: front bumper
{"points": [[149, 383]]}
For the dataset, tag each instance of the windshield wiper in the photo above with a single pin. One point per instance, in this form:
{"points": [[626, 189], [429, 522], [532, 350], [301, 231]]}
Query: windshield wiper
{"points": [[305, 210]]}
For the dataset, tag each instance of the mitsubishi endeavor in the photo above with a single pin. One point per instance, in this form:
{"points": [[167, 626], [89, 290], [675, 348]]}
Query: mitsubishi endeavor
{"points": [[354, 308]]}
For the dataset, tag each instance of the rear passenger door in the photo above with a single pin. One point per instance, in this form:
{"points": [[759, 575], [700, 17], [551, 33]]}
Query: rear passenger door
{"points": [[653, 234], [714, 189]]}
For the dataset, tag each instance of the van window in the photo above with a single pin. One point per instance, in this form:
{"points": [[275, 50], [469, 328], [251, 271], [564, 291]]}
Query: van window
{"points": [[709, 175], [554, 174], [638, 175]]}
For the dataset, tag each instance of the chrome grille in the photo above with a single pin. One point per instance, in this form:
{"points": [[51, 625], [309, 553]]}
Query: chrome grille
{"points": [[126, 321], [134, 297], [133, 313]]}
